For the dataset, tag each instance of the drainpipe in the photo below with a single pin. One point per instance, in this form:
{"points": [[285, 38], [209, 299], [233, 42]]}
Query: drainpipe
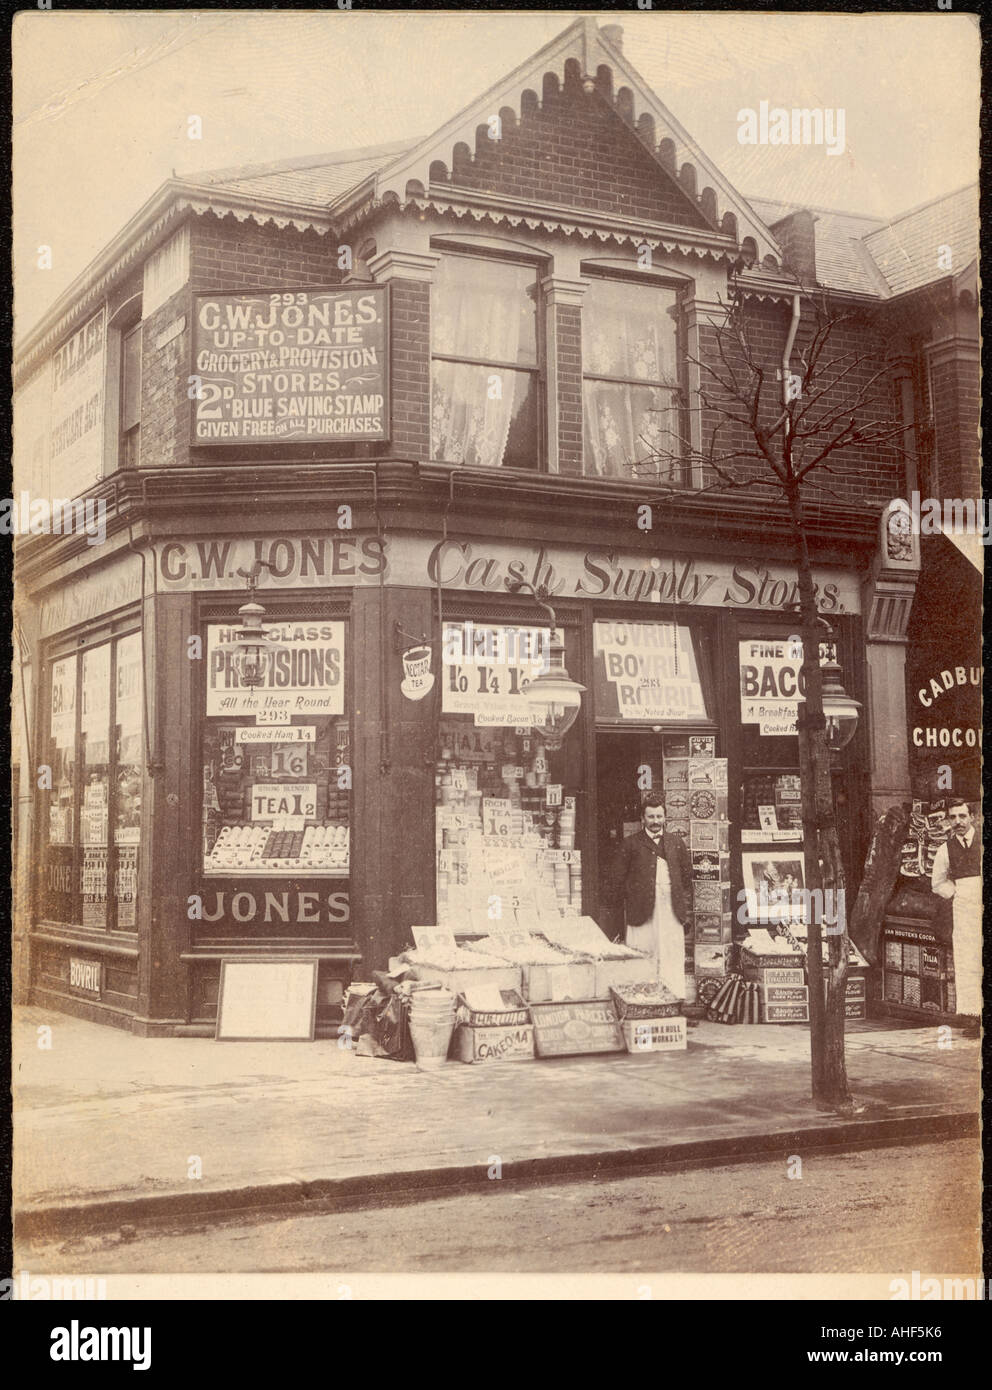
{"points": [[787, 356]]}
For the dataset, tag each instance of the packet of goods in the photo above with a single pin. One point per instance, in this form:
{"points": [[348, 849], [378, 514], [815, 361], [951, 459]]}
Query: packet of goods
{"points": [[582, 935], [515, 950], [451, 960]]}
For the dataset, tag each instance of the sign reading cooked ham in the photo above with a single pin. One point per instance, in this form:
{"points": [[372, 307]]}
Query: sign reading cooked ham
{"points": [[297, 366]]}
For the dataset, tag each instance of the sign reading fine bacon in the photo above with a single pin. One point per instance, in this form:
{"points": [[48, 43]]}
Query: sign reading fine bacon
{"points": [[293, 366]]}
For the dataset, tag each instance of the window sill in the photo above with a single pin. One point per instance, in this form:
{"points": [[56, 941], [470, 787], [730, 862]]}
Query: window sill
{"points": [[88, 938]]}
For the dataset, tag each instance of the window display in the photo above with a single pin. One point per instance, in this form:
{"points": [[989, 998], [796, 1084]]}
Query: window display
{"points": [[95, 737], [276, 799], [505, 829], [276, 762]]}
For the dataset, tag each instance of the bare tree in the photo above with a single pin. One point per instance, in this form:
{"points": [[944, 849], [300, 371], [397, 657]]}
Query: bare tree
{"points": [[766, 425]]}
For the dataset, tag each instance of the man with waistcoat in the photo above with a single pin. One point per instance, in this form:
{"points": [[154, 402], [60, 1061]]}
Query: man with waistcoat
{"points": [[957, 875], [653, 886]]}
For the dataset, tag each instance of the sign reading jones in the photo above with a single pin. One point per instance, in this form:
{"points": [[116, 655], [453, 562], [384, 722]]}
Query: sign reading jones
{"points": [[300, 365]]}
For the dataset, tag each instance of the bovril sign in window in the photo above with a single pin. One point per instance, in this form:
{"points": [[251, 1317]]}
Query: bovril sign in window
{"points": [[293, 366]]}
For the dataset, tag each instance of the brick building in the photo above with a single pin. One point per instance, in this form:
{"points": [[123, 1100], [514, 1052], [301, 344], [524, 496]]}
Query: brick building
{"points": [[522, 301]]}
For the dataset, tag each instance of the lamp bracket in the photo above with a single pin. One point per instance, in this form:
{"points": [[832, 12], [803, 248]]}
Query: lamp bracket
{"points": [[401, 637]]}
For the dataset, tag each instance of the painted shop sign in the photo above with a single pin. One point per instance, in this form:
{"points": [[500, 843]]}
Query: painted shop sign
{"points": [[291, 367], [271, 903], [773, 684], [76, 443], [86, 977], [304, 675], [353, 559]]}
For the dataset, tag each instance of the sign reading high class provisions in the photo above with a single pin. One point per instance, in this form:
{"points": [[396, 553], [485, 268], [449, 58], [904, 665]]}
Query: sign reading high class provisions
{"points": [[297, 366], [304, 675]]}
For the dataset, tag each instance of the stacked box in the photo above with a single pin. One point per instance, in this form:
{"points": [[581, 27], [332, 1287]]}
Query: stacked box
{"points": [[710, 867], [503, 1043], [578, 1026], [788, 1010], [918, 969], [708, 896], [714, 927], [711, 960], [711, 836], [647, 1000], [655, 1034]]}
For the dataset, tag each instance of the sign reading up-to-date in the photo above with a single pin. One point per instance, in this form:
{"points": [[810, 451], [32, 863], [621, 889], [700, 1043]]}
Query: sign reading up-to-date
{"points": [[295, 366]]}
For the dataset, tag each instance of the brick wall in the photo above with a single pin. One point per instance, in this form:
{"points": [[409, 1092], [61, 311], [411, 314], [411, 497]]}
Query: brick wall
{"points": [[575, 150], [956, 408], [568, 334], [165, 402], [866, 474], [230, 256], [410, 320]]}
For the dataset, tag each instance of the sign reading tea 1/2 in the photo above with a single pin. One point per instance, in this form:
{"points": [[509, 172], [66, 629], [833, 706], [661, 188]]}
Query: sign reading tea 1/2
{"points": [[294, 366]]}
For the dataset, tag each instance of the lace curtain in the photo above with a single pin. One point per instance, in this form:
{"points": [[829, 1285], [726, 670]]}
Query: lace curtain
{"points": [[628, 331], [480, 310]]}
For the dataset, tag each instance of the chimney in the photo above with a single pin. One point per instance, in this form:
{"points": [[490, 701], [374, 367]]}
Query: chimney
{"points": [[613, 34], [795, 235]]}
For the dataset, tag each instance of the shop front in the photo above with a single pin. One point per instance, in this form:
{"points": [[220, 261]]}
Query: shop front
{"points": [[324, 811]]}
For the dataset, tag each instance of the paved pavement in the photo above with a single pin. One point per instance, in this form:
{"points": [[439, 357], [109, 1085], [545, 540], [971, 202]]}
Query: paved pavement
{"points": [[110, 1127]]}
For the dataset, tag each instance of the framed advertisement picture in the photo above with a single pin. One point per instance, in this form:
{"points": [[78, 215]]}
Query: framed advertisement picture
{"points": [[774, 884], [275, 1000]]}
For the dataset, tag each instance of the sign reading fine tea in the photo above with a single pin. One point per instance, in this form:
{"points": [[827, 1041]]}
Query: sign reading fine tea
{"points": [[290, 367], [487, 668]]}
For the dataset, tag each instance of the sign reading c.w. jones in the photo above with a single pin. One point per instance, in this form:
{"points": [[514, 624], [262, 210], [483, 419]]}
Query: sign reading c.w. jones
{"points": [[354, 559]]}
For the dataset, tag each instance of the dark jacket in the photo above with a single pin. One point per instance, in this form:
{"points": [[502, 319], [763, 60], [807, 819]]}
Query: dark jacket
{"points": [[634, 876]]}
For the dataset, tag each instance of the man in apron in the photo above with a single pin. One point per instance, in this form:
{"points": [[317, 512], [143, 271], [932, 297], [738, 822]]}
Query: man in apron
{"points": [[653, 884], [957, 874]]}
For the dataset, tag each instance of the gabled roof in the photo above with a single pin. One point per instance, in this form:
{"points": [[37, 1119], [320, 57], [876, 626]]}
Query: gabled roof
{"points": [[583, 50]]}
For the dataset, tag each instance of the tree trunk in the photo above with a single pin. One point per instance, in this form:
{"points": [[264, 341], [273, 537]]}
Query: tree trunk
{"points": [[821, 849]]}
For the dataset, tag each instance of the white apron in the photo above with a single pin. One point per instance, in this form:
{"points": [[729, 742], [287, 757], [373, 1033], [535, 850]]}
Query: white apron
{"points": [[967, 908], [662, 936]]}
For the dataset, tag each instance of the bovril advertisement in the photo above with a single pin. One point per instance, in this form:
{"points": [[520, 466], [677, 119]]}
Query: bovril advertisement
{"points": [[292, 366]]}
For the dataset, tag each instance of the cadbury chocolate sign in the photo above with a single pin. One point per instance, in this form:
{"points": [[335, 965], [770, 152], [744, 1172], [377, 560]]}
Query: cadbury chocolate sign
{"points": [[298, 366], [352, 559]]}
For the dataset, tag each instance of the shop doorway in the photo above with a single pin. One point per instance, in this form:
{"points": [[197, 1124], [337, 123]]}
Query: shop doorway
{"points": [[625, 761]]}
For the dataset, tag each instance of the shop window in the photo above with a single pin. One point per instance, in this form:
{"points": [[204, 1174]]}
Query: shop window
{"points": [[632, 402], [506, 806], [130, 397], [276, 760], [486, 383], [94, 738], [655, 672]]}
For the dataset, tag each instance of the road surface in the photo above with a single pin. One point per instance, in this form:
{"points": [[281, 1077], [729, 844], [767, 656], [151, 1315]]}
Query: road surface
{"points": [[876, 1210]]}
